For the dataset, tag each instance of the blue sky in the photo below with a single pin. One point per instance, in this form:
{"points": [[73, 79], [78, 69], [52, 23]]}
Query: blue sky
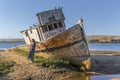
{"points": [[101, 17]]}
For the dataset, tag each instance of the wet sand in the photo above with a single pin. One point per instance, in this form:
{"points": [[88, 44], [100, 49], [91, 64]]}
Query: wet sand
{"points": [[106, 62]]}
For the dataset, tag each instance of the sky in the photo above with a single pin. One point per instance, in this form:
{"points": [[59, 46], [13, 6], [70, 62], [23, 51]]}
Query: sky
{"points": [[100, 17]]}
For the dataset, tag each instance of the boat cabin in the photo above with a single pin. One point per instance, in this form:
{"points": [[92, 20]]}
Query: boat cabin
{"points": [[50, 23]]}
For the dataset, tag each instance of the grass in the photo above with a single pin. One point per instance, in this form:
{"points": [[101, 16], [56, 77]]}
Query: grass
{"points": [[48, 63], [22, 52], [51, 63], [6, 66]]}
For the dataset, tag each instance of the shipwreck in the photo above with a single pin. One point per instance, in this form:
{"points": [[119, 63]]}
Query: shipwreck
{"points": [[54, 40]]}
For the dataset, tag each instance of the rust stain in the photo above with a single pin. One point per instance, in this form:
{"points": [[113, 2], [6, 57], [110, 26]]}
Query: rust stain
{"points": [[40, 46], [59, 40], [56, 41], [62, 39], [67, 37]]}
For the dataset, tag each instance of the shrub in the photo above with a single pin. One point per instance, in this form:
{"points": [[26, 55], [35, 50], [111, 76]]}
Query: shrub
{"points": [[22, 52], [50, 63], [6, 66]]}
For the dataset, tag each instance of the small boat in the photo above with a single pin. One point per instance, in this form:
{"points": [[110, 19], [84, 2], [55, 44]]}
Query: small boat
{"points": [[55, 41]]}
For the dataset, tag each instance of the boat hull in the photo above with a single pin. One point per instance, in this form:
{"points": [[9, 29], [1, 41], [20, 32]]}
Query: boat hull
{"points": [[70, 44]]}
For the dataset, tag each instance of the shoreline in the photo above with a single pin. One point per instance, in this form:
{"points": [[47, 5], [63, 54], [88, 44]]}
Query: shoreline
{"points": [[103, 63], [91, 51], [104, 52], [2, 50]]}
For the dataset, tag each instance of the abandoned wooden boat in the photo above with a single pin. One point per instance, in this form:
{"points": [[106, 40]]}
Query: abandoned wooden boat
{"points": [[53, 40]]}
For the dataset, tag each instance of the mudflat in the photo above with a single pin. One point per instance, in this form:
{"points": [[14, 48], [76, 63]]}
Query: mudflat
{"points": [[106, 62]]}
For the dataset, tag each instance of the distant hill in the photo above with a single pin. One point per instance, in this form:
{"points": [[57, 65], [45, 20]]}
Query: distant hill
{"points": [[90, 39], [12, 40], [103, 39]]}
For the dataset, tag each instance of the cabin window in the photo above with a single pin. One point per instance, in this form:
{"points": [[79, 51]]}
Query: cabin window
{"points": [[31, 31], [60, 24], [44, 28], [55, 26], [51, 18], [26, 33], [50, 27]]}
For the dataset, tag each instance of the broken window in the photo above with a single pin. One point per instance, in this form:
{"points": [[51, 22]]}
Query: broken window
{"points": [[44, 28], [60, 24], [50, 27], [31, 31], [55, 26], [51, 18], [26, 33]]}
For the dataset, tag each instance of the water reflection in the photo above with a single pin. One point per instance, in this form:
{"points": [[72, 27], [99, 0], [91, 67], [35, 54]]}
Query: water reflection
{"points": [[106, 77], [86, 76], [77, 76]]}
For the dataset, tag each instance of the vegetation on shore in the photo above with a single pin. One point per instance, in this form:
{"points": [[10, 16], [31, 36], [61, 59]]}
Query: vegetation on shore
{"points": [[103, 39], [48, 63], [6, 66]]}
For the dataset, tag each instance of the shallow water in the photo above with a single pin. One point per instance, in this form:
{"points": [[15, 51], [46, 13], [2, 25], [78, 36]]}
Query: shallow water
{"points": [[92, 46], [4, 45], [104, 46], [107, 77], [84, 76]]}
